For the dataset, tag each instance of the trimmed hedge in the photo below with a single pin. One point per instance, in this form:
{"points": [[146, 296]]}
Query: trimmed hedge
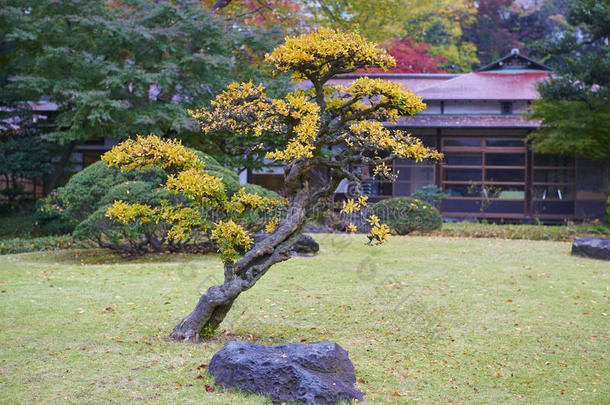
{"points": [[19, 245], [407, 215], [563, 233]]}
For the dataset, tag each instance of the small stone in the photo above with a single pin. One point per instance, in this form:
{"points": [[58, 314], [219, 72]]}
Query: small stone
{"points": [[318, 373], [306, 246], [593, 247]]}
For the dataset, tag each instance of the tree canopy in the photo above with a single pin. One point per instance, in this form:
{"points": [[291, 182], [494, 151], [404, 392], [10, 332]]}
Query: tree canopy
{"points": [[412, 57], [440, 23], [501, 25], [574, 108], [119, 68]]}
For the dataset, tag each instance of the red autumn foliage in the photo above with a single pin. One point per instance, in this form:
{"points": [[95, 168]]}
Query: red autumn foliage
{"points": [[411, 57]]}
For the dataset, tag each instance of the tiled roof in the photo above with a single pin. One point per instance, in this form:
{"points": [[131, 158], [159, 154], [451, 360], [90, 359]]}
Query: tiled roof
{"points": [[515, 60], [414, 82], [465, 121], [507, 85], [495, 85]]}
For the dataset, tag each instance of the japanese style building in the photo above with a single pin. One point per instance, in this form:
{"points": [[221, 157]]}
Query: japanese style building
{"points": [[488, 171]]}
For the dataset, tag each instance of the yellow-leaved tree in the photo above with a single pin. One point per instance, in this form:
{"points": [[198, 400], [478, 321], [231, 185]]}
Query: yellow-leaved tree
{"points": [[327, 128], [199, 207]]}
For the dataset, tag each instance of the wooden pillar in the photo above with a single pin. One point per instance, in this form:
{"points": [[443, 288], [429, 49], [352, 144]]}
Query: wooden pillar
{"points": [[437, 172], [529, 175]]}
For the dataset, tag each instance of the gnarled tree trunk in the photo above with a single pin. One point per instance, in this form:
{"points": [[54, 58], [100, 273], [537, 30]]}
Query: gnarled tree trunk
{"points": [[240, 276]]}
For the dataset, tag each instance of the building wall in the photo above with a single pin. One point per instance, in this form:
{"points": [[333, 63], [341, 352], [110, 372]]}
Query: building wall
{"points": [[592, 180], [474, 107], [484, 173], [432, 107], [491, 173]]}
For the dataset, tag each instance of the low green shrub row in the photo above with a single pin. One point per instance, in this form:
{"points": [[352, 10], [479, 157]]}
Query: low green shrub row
{"points": [[20, 245], [531, 232]]}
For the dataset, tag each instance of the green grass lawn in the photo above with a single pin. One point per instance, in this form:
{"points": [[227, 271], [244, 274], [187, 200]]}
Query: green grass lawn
{"points": [[424, 320]]}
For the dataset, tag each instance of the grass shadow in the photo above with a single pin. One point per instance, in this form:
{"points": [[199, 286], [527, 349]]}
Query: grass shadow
{"points": [[106, 256]]}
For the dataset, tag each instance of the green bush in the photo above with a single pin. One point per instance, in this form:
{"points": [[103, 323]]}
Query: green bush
{"points": [[82, 203], [86, 190], [141, 192], [406, 215], [19, 245], [50, 217]]}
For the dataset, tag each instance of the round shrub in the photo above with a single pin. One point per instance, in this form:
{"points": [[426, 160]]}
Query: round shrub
{"points": [[83, 194], [406, 215], [140, 192]]}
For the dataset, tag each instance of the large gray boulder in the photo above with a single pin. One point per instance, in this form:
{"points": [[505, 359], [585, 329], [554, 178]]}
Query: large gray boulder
{"points": [[590, 246], [312, 373]]}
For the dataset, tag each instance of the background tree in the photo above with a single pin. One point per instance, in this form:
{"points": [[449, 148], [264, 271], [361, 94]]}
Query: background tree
{"points": [[118, 68], [574, 107], [440, 23], [412, 57], [22, 157], [537, 23], [288, 15], [502, 25], [491, 35], [328, 127]]}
